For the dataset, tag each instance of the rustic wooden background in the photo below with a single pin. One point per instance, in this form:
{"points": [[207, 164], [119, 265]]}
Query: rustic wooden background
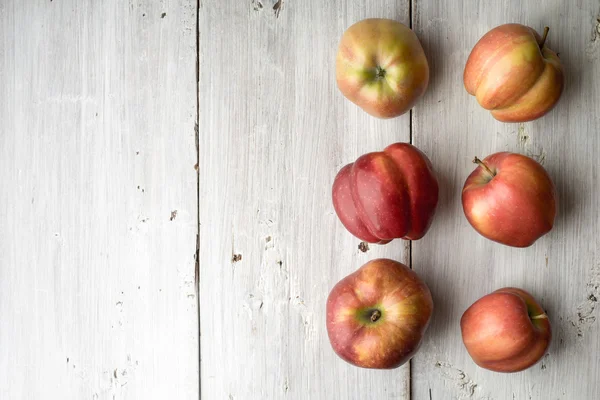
{"points": [[127, 128], [98, 200]]}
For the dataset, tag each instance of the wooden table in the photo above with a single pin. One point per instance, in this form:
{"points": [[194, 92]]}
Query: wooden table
{"points": [[166, 227]]}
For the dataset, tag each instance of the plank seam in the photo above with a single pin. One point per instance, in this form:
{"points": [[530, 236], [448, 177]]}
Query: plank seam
{"points": [[410, 263], [197, 135]]}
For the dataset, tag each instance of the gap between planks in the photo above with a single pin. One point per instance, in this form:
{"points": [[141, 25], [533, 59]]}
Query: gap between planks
{"points": [[197, 135], [410, 263]]}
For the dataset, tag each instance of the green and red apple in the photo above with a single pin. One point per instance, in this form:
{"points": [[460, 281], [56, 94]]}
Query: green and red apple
{"points": [[506, 331], [387, 194], [510, 199], [377, 316], [381, 67], [514, 74]]}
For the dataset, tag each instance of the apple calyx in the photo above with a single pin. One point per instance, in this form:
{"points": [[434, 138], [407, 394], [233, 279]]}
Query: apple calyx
{"points": [[484, 166], [379, 73], [375, 315], [544, 37]]}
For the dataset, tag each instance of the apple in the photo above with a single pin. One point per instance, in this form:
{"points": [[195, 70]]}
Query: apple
{"points": [[381, 67], [387, 194], [506, 331], [510, 199], [376, 316], [512, 73]]}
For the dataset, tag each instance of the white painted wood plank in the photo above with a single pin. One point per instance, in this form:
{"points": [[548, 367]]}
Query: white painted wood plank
{"points": [[562, 270], [274, 131], [97, 113]]}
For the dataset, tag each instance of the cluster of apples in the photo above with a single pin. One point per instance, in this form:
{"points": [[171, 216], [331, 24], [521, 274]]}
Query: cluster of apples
{"points": [[377, 316]]}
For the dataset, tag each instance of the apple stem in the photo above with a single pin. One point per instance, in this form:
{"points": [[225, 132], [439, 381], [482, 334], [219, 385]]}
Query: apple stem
{"points": [[546, 29], [541, 316], [484, 166], [375, 315]]}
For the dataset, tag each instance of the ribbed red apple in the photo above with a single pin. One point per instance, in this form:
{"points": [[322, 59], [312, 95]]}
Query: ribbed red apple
{"points": [[387, 194], [513, 74], [381, 67], [506, 331], [376, 316], [510, 199]]}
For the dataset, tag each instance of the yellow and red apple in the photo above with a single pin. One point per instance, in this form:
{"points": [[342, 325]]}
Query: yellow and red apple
{"points": [[376, 316], [381, 67], [387, 194], [510, 199], [506, 331], [513, 74]]}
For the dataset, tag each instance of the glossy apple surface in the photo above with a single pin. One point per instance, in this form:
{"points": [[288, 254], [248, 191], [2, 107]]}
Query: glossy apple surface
{"points": [[381, 67], [506, 331], [513, 74], [387, 194], [510, 199], [376, 316]]}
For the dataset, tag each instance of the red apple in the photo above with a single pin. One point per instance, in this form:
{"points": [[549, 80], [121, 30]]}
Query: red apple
{"points": [[381, 67], [376, 316], [512, 73], [506, 331], [510, 199], [386, 195]]}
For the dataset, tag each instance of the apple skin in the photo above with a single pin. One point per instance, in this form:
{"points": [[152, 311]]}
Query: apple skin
{"points": [[512, 76], [381, 67], [515, 207], [387, 194], [403, 302], [506, 330]]}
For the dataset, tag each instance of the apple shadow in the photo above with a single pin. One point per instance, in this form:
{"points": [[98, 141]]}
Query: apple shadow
{"points": [[568, 196], [443, 321], [558, 346], [561, 339], [448, 197], [432, 40], [573, 77], [570, 56]]}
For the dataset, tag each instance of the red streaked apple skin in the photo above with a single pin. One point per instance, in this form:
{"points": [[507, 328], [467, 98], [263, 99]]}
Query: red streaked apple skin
{"points": [[378, 44], [404, 302], [517, 206], [511, 76], [506, 331], [387, 195]]}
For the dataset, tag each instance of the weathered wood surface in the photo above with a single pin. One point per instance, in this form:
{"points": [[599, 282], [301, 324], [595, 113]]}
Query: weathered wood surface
{"points": [[274, 131], [562, 270], [97, 154], [97, 113]]}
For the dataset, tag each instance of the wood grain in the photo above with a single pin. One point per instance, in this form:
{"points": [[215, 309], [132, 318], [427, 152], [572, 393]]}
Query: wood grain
{"points": [[97, 152], [274, 131], [562, 270], [98, 203]]}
